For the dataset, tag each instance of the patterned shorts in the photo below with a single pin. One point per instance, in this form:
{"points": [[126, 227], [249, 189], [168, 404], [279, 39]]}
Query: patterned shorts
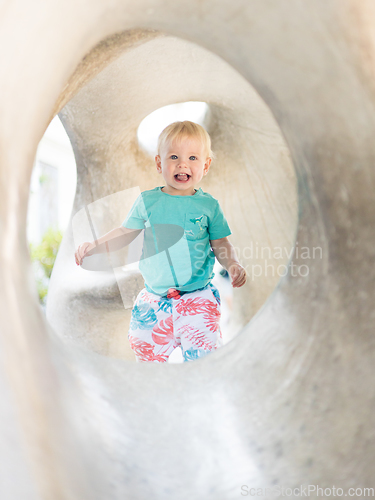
{"points": [[159, 324]]}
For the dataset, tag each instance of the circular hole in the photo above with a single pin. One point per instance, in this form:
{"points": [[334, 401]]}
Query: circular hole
{"points": [[151, 126], [252, 175]]}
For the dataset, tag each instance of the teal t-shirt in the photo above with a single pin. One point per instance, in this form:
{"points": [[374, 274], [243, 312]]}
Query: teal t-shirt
{"points": [[186, 264]]}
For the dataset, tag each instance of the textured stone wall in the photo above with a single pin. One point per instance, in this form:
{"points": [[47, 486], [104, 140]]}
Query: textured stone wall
{"points": [[290, 400]]}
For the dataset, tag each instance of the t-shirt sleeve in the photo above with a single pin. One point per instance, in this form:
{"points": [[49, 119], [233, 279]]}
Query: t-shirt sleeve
{"points": [[137, 215], [218, 226]]}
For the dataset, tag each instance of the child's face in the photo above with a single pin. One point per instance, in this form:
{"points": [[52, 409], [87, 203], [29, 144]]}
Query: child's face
{"points": [[183, 164]]}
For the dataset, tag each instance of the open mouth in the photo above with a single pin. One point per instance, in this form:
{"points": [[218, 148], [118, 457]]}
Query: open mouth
{"points": [[182, 177]]}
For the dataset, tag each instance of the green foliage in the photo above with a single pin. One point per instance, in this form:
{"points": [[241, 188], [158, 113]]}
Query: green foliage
{"points": [[43, 178], [42, 291], [43, 256]]}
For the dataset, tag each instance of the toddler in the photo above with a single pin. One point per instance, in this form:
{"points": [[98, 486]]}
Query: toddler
{"points": [[179, 305]]}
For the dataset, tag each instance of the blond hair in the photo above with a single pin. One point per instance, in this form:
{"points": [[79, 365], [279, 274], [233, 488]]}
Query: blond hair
{"points": [[185, 130]]}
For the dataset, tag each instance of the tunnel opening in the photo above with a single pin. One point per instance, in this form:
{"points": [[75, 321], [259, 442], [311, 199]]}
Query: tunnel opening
{"points": [[151, 126], [252, 176], [51, 195]]}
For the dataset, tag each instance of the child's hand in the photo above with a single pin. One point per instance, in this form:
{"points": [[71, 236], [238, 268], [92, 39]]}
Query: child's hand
{"points": [[237, 274], [83, 251]]}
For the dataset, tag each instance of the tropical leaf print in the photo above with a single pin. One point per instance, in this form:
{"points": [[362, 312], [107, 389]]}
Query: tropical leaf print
{"points": [[165, 305], [163, 333], [191, 354], [215, 291], [149, 297], [195, 306], [212, 320], [143, 317], [145, 351], [184, 330], [196, 337]]}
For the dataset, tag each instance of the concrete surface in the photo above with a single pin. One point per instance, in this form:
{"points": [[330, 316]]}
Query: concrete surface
{"points": [[290, 400]]}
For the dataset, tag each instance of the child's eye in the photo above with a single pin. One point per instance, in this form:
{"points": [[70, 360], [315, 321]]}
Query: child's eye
{"points": [[192, 158], [173, 157]]}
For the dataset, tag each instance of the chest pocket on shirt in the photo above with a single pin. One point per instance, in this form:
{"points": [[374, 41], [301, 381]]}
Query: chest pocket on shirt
{"points": [[196, 225]]}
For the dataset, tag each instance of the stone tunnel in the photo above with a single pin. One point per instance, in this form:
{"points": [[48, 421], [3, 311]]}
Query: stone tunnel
{"points": [[289, 401]]}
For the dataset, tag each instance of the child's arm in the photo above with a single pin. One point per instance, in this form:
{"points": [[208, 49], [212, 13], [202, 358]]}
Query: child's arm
{"points": [[226, 255], [115, 236]]}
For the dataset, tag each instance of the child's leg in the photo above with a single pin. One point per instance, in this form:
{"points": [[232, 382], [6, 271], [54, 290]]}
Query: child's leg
{"points": [[197, 322], [151, 333]]}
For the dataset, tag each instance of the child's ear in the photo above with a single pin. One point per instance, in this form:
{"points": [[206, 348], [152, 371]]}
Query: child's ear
{"points": [[158, 163], [207, 165]]}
